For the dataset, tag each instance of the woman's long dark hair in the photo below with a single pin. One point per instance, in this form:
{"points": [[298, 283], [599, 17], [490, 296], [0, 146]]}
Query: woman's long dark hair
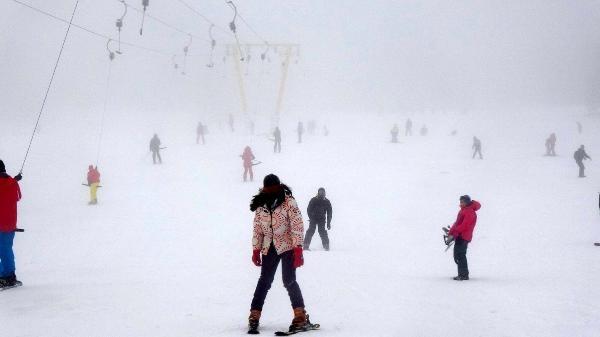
{"points": [[270, 197]]}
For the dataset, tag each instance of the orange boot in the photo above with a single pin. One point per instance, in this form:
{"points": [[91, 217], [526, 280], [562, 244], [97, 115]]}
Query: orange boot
{"points": [[253, 321]]}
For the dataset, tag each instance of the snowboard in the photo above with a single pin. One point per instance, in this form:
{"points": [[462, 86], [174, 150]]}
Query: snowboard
{"points": [[448, 240], [310, 327], [18, 284]]}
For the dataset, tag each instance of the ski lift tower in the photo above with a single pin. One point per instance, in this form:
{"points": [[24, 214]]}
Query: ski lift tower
{"points": [[286, 51]]}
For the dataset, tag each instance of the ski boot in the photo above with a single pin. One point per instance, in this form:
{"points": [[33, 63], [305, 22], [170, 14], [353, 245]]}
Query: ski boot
{"points": [[9, 281], [461, 278], [253, 322], [300, 323]]}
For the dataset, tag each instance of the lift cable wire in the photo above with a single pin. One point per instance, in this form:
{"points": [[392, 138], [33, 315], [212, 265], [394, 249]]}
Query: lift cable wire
{"points": [[195, 11], [37, 122]]}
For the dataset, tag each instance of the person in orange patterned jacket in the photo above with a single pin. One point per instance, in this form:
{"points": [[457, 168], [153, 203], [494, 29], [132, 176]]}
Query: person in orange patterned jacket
{"points": [[278, 236]]}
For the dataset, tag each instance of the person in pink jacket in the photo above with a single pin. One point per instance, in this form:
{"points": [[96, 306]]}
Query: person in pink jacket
{"points": [[278, 236], [462, 232], [247, 158]]}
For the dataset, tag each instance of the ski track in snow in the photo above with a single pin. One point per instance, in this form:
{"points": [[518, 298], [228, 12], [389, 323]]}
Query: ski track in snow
{"points": [[167, 250]]}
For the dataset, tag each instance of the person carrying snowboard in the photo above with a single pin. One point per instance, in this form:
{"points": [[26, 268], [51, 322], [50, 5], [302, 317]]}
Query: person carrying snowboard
{"points": [[155, 149], [93, 180], [319, 208], [395, 130], [277, 140], [462, 232], [477, 147], [10, 194], [278, 236], [248, 157], [580, 155]]}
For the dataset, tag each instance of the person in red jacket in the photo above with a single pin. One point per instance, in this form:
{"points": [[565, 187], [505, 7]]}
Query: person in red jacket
{"points": [[248, 157], [93, 179], [462, 232], [10, 194]]}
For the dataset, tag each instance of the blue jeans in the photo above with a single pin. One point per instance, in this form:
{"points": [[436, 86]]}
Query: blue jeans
{"points": [[7, 257]]}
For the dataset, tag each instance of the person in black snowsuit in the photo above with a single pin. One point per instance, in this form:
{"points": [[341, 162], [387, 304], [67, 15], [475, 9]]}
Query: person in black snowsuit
{"points": [[477, 147], [408, 128], [200, 133], [319, 210], [277, 140], [580, 155], [155, 149]]}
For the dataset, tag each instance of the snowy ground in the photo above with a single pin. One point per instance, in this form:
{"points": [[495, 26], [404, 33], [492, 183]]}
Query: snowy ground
{"points": [[167, 250]]}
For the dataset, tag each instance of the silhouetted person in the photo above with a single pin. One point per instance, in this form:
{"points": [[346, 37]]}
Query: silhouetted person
{"points": [[10, 194], [408, 127], [424, 131], [200, 130], [231, 122], [394, 132], [248, 157], [300, 131], [312, 126], [93, 180], [319, 210], [277, 140], [325, 131], [477, 147], [580, 156], [155, 149], [579, 127], [550, 145]]}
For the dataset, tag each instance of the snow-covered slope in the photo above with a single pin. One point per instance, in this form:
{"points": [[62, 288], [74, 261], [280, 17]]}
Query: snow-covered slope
{"points": [[167, 250]]}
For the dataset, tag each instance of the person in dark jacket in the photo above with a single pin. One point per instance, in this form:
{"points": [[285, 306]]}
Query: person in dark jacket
{"points": [[300, 131], [10, 194], [550, 145], [200, 130], [155, 149], [477, 147], [462, 232], [408, 125], [277, 140], [580, 155], [319, 210]]}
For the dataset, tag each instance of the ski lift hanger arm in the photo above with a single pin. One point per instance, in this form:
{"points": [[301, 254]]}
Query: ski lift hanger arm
{"points": [[195, 11]]}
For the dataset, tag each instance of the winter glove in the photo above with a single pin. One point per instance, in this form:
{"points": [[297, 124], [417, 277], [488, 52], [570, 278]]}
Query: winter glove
{"points": [[18, 177], [256, 257], [298, 258], [329, 226]]}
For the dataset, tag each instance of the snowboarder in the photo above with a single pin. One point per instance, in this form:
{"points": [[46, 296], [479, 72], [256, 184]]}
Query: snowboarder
{"points": [[248, 157], [10, 194], [155, 149], [231, 122], [200, 131], [394, 133], [424, 130], [318, 208], [408, 127], [476, 147], [277, 140], [550, 145], [300, 131], [278, 235], [93, 180], [580, 155], [462, 232]]}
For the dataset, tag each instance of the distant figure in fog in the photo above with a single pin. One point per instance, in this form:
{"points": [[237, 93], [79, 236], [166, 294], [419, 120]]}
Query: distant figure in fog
{"points": [[300, 131], [409, 125], [453, 133], [325, 131], [579, 128], [424, 130], [395, 130], [312, 126], [247, 158], [580, 155], [550, 145], [477, 147], [93, 180], [231, 122], [200, 130], [155, 149], [277, 140]]}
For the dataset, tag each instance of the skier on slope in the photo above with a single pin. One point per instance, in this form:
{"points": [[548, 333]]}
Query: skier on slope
{"points": [[277, 140], [300, 131], [462, 232], [476, 147], [394, 133], [10, 194], [155, 149], [580, 155], [278, 235], [247, 158], [200, 131], [93, 180], [319, 208], [550, 145], [408, 125]]}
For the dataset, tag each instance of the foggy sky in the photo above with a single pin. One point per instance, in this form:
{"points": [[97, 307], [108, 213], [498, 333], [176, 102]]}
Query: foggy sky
{"points": [[372, 56]]}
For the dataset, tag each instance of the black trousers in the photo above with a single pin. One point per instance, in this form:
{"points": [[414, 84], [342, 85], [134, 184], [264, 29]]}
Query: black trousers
{"points": [[477, 151], [322, 233], [277, 146], [581, 168], [267, 274], [460, 256], [156, 154]]}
